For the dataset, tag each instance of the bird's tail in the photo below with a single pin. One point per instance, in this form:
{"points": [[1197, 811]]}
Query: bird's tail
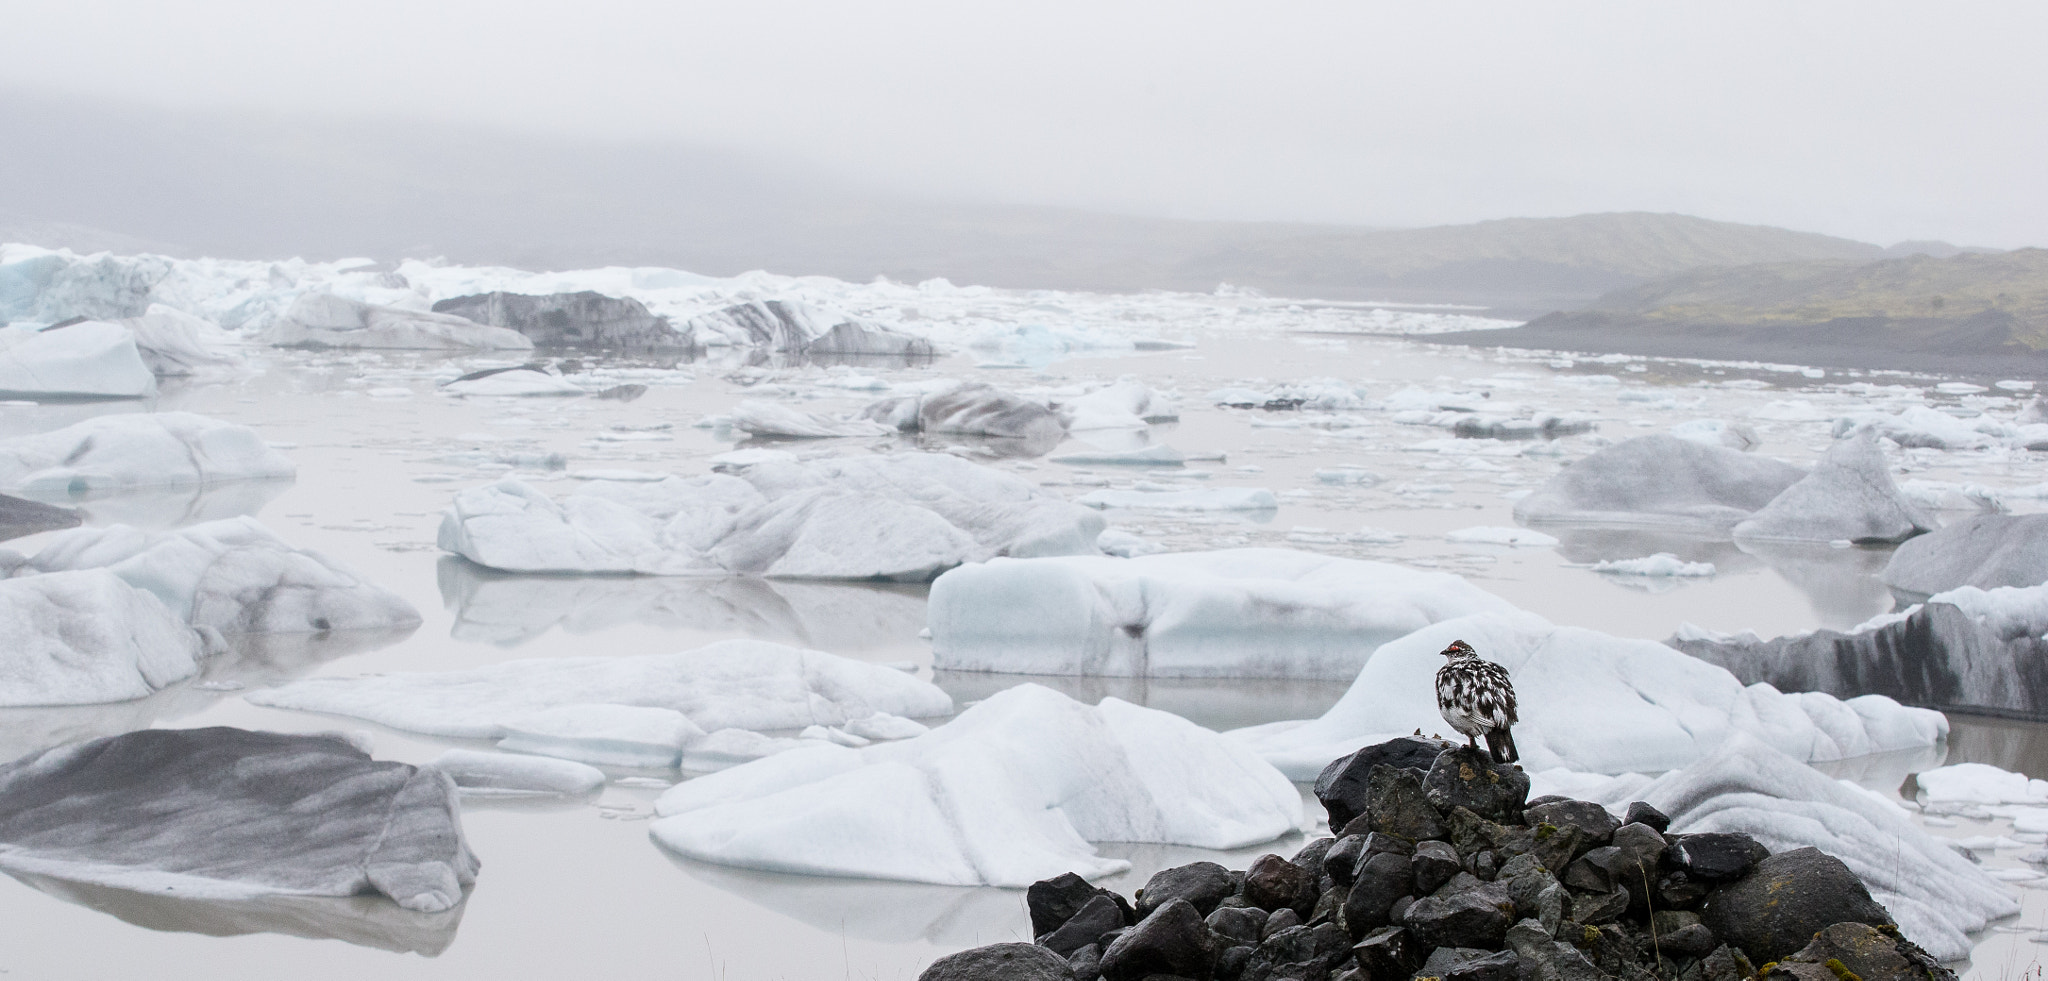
{"points": [[1500, 744]]}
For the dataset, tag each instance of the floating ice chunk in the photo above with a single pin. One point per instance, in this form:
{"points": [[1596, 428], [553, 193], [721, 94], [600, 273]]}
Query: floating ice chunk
{"points": [[1979, 783], [2015, 385], [1357, 476], [882, 725], [76, 638], [799, 328], [1958, 388], [513, 526], [737, 460], [1010, 792], [732, 747], [971, 409], [1944, 495], [1156, 455], [569, 319], [1502, 536], [743, 684], [1986, 551], [1718, 432], [233, 576], [1848, 496], [519, 381], [481, 774], [770, 420], [604, 734], [1660, 480], [1919, 426], [837, 737], [224, 813], [173, 342], [326, 320], [111, 454], [89, 359], [1128, 403], [1590, 701], [1124, 545], [1272, 613], [1660, 564], [1202, 499]]}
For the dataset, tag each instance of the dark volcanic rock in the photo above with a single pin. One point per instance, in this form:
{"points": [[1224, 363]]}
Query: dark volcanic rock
{"points": [[1776, 909], [1099, 916], [1388, 952], [569, 319], [1547, 959], [20, 517], [1311, 856], [1463, 778], [1639, 850], [1342, 785], [1274, 883], [1395, 805], [1054, 901], [1596, 908], [1303, 952], [1715, 856], [1383, 878], [1203, 884], [1867, 953], [1171, 940], [1244, 925], [263, 812], [1469, 964], [1476, 917], [1434, 862], [1595, 825], [1000, 962], [1343, 857], [1640, 812]]}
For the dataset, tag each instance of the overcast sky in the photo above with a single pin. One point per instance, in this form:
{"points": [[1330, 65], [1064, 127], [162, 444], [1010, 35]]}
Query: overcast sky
{"points": [[1874, 121]]}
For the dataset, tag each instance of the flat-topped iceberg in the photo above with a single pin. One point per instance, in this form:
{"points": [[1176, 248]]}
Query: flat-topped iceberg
{"points": [[1591, 701], [1660, 480], [111, 454], [1240, 613], [904, 517], [573, 706], [1750, 786], [1010, 792], [1986, 551], [90, 359], [77, 638], [326, 320], [233, 576], [1849, 496], [229, 814]]}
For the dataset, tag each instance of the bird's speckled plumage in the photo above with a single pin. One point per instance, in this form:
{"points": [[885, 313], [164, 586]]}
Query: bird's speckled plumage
{"points": [[1477, 699]]}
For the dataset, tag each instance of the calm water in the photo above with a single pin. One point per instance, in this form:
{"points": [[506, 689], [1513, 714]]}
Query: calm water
{"points": [[577, 890]]}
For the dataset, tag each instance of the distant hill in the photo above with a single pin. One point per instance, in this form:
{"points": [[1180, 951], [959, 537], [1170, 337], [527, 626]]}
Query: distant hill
{"points": [[94, 174], [1968, 310]]}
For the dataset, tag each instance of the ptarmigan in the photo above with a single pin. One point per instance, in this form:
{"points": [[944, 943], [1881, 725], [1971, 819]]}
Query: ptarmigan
{"points": [[1477, 699]]}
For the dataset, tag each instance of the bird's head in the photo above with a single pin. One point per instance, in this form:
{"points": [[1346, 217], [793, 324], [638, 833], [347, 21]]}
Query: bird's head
{"points": [[1459, 648]]}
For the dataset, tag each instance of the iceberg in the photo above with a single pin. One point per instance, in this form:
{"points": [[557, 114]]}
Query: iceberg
{"points": [[1240, 613], [233, 576], [1660, 480], [89, 359], [481, 774], [320, 320], [1127, 404], [175, 343], [1849, 496], [1986, 551], [1010, 792], [971, 409], [77, 638], [904, 517], [524, 380], [230, 814], [790, 327], [1919, 426], [582, 319], [772, 421], [1751, 786], [120, 453], [1590, 701], [733, 684]]}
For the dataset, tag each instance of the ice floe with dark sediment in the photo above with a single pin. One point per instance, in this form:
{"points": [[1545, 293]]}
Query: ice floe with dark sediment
{"points": [[1660, 480], [1849, 496], [317, 319], [1271, 613], [222, 813], [1012, 791], [1986, 551]]}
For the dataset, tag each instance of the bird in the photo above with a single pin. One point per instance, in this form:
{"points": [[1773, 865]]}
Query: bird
{"points": [[1477, 699]]}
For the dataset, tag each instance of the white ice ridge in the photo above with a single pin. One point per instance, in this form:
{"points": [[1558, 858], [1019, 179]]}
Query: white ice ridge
{"points": [[124, 452], [1979, 783], [233, 576], [904, 517], [1590, 701], [1750, 786], [583, 707], [90, 359], [327, 320], [1239, 613], [1010, 792], [1849, 496]]}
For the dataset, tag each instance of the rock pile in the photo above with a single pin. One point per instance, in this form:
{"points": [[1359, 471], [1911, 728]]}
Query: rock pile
{"points": [[1441, 868]]}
